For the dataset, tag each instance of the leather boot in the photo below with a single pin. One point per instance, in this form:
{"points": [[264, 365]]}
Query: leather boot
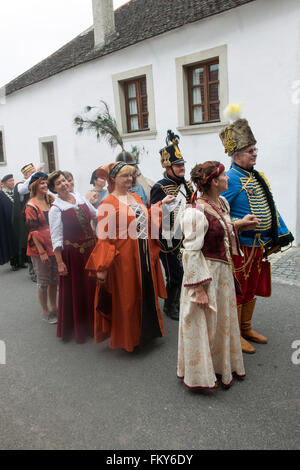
{"points": [[171, 307], [166, 306], [177, 302], [246, 347], [246, 329]]}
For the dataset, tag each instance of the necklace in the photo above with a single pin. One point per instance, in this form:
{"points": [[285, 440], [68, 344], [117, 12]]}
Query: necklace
{"points": [[218, 208]]}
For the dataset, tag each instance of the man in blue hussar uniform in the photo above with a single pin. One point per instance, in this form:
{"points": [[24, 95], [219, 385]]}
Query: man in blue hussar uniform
{"points": [[173, 184], [249, 193]]}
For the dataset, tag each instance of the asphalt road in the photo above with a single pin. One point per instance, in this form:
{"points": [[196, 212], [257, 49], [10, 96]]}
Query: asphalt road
{"points": [[69, 396]]}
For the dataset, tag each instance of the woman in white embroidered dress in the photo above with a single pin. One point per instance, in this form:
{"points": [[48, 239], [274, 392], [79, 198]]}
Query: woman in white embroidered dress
{"points": [[209, 338]]}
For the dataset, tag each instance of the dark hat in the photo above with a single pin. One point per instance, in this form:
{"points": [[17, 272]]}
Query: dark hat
{"points": [[93, 177], [170, 155], [37, 176], [6, 178], [127, 158]]}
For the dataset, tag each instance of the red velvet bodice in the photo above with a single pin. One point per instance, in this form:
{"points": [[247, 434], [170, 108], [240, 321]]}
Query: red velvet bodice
{"points": [[76, 224], [214, 240]]}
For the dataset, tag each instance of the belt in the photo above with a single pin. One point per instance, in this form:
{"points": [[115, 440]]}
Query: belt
{"points": [[81, 246]]}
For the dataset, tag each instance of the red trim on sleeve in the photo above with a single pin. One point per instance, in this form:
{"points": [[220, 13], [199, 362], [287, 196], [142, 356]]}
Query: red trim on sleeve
{"points": [[198, 283]]}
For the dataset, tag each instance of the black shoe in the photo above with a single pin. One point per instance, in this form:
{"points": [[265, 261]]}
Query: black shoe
{"points": [[33, 278], [14, 268], [171, 305], [173, 314], [23, 266]]}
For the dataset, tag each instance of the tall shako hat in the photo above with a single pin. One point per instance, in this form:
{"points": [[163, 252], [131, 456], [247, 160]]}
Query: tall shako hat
{"points": [[238, 135], [170, 155], [27, 168]]}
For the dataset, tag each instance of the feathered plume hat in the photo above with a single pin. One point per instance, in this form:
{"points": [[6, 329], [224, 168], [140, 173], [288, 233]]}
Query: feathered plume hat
{"points": [[238, 135], [170, 155]]}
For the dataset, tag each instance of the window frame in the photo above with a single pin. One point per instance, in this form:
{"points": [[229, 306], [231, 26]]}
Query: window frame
{"points": [[183, 106], [140, 114], [207, 102], [118, 81], [3, 162], [43, 141]]}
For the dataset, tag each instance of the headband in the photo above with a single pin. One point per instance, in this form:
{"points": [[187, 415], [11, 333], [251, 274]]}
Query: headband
{"points": [[115, 170], [215, 173]]}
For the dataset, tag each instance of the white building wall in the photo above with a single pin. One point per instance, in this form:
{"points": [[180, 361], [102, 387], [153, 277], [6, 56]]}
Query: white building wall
{"points": [[263, 62]]}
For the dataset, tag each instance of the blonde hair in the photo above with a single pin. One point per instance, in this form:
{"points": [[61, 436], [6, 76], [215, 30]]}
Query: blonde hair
{"points": [[126, 169], [34, 189]]}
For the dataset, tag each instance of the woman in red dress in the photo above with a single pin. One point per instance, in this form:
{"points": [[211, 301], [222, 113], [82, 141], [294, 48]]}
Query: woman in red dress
{"points": [[73, 241], [127, 265], [39, 246]]}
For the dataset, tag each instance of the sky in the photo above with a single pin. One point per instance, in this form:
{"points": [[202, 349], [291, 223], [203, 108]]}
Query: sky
{"points": [[31, 30]]}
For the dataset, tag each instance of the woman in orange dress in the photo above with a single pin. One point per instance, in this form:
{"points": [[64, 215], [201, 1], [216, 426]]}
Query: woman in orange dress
{"points": [[126, 263]]}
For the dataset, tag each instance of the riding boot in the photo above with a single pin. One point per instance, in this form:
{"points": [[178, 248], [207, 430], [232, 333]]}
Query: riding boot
{"points": [[246, 329], [166, 306], [171, 308], [246, 347]]}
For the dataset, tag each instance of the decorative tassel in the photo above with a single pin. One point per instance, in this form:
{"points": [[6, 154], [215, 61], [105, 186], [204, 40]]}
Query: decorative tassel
{"points": [[233, 111]]}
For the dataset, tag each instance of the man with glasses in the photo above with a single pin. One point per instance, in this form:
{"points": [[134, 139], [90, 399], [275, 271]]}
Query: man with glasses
{"points": [[249, 193]]}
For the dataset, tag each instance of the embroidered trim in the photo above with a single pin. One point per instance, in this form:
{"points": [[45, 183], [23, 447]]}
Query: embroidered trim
{"points": [[198, 283], [198, 387]]}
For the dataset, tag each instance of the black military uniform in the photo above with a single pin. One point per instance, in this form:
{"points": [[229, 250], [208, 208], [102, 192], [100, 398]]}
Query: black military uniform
{"points": [[171, 242]]}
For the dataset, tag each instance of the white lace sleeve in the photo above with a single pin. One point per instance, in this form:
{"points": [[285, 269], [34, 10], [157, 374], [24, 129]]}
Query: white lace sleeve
{"points": [[23, 189], [194, 226], [56, 227]]}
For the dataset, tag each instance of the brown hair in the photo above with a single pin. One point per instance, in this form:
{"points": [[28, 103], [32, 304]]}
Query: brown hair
{"points": [[52, 178], [200, 173], [34, 189], [68, 175]]}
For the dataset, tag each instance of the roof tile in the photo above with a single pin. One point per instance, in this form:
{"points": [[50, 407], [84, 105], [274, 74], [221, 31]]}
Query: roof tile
{"points": [[135, 21]]}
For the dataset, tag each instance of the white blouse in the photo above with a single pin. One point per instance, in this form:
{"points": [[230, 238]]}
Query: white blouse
{"points": [[55, 220]]}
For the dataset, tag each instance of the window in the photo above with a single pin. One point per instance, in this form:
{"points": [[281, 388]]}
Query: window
{"points": [[48, 153], [136, 104], [203, 84], [202, 90], [50, 157], [2, 159], [2, 147]]}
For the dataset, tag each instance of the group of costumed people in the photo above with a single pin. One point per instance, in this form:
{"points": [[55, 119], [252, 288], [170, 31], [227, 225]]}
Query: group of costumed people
{"points": [[212, 236]]}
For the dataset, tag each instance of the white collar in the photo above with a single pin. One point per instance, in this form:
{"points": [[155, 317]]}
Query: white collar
{"points": [[64, 205]]}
